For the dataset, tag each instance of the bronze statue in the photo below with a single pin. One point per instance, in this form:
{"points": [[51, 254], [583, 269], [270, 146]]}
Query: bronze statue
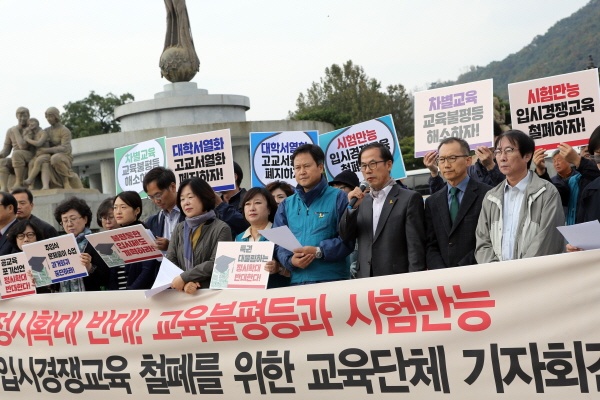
{"points": [[55, 160], [178, 62], [38, 138], [22, 152]]}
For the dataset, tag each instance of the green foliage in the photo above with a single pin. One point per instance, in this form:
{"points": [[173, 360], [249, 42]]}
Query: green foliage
{"points": [[347, 96], [564, 48], [93, 115], [407, 148]]}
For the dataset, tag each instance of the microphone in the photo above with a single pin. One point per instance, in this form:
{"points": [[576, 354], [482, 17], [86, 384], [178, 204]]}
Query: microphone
{"points": [[364, 185]]}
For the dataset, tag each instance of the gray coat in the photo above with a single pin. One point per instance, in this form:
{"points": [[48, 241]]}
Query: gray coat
{"points": [[537, 235], [213, 232]]}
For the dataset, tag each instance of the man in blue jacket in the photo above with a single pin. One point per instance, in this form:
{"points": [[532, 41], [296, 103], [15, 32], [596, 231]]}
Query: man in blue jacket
{"points": [[313, 214]]}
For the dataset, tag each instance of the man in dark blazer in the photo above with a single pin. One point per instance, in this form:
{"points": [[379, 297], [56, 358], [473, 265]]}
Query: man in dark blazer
{"points": [[388, 221], [24, 199], [160, 185], [451, 215], [8, 217]]}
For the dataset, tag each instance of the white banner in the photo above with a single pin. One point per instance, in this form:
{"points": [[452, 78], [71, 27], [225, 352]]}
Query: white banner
{"points": [[521, 329]]}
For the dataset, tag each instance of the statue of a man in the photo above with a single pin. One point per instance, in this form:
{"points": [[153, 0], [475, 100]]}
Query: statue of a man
{"points": [[55, 161], [22, 152]]}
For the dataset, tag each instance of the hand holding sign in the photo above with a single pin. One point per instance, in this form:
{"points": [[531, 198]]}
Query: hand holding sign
{"points": [[569, 154], [485, 156], [539, 160]]}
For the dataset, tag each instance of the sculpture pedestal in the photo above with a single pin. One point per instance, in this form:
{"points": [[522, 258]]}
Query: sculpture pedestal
{"points": [[182, 104], [45, 202]]}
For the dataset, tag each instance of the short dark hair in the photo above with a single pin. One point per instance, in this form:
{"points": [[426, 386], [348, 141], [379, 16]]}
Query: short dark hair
{"points": [[286, 187], [103, 209], [163, 177], [20, 227], [23, 190], [384, 152], [315, 152], [520, 139], [73, 203], [594, 144], [271, 203], [240, 174], [9, 200], [464, 146], [132, 199], [201, 189]]}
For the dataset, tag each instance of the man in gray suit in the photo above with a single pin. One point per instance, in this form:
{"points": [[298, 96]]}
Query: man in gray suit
{"points": [[388, 221], [451, 215]]}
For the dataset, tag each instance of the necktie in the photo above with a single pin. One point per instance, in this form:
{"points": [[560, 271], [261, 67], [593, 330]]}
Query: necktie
{"points": [[453, 203]]}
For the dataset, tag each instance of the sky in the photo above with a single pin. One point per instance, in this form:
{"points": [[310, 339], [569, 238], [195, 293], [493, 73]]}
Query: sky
{"points": [[268, 50]]}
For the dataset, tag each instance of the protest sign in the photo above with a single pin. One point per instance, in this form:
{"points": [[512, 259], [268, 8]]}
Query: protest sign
{"points": [[270, 155], [60, 256], [556, 109], [464, 111], [16, 277], [206, 155], [241, 265], [124, 245], [521, 329], [133, 162], [342, 146]]}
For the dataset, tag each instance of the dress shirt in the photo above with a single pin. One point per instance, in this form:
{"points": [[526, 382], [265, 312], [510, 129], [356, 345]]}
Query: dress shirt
{"points": [[511, 211]]}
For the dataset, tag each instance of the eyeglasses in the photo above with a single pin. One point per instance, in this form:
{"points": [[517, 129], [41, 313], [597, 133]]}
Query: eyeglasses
{"points": [[449, 159], [507, 151], [372, 165], [157, 196], [107, 218], [72, 221], [30, 235]]}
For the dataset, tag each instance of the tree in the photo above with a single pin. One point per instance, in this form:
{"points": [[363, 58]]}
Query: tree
{"points": [[93, 115], [347, 96], [407, 148]]}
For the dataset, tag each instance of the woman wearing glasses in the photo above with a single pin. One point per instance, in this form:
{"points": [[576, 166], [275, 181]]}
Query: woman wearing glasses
{"points": [[127, 209], [193, 245], [25, 232], [75, 216], [105, 216]]}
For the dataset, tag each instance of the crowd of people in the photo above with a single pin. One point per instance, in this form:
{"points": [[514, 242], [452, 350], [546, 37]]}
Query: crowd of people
{"points": [[494, 208]]}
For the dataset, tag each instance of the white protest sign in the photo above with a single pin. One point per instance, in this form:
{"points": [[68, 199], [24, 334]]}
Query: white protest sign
{"points": [[206, 155], [465, 111], [557, 109], [241, 265], [59, 255], [124, 245], [16, 278]]}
